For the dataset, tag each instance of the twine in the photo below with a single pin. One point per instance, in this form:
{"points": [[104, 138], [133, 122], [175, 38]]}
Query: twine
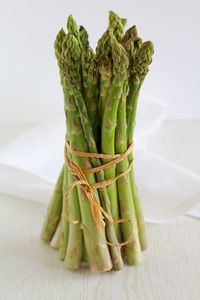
{"points": [[79, 175]]}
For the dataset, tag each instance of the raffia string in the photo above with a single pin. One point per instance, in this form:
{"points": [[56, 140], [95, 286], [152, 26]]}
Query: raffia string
{"points": [[98, 213]]}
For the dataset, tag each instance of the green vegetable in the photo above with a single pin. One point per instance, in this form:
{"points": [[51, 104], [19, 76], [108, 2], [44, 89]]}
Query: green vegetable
{"points": [[90, 83], [55, 241], [64, 230], [109, 64], [74, 250], [101, 92], [139, 70], [54, 210], [120, 63], [127, 211]]}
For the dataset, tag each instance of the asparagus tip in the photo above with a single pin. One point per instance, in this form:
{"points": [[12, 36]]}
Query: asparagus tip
{"points": [[116, 25], [72, 26], [120, 58], [83, 36], [143, 59]]}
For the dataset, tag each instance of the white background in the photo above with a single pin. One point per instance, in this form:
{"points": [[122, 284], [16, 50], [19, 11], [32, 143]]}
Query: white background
{"points": [[30, 93], [29, 80]]}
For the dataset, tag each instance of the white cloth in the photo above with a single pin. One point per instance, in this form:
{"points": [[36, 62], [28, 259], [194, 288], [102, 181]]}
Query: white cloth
{"points": [[30, 164]]}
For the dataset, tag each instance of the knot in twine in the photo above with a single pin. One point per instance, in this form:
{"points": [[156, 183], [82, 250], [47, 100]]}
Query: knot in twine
{"points": [[80, 179]]}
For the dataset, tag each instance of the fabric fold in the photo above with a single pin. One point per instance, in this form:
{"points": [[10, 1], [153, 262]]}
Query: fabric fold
{"points": [[30, 164]]}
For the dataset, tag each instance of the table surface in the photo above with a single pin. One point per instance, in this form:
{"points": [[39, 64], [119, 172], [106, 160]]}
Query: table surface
{"points": [[30, 269]]}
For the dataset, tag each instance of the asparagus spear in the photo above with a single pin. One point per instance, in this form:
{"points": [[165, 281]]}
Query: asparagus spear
{"points": [[132, 249], [90, 83], [87, 130], [129, 34], [75, 239], [64, 230], [71, 234], [66, 246], [131, 43], [120, 65], [97, 250], [54, 210], [55, 241], [104, 57], [104, 68], [103, 54], [139, 70], [55, 206]]}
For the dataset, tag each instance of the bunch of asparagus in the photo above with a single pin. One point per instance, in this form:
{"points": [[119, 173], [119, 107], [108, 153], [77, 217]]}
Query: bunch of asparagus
{"points": [[100, 100]]}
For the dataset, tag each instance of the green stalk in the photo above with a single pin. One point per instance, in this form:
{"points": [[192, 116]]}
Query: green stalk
{"points": [[74, 248], [55, 206], [55, 241], [127, 210], [120, 64], [104, 57], [132, 43], [54, 210], [103, 51], [108, 89], [84, 256], [90, 87], [132, 100], [108, 147], [75, 238], [136, 198], [105, 70], [139, 70], [64, 230], [64, 223]]}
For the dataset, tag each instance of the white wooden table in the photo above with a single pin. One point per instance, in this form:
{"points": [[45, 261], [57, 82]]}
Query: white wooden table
{"points": [[171, 269]]}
